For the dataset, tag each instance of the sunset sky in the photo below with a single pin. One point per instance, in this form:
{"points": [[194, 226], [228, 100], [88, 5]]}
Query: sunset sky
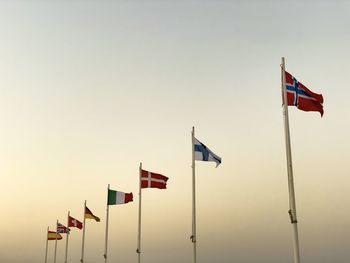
{"points": [[89, 89]]}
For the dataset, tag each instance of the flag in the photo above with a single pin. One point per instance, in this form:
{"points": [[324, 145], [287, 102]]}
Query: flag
{"points": [[301, 97], [153, 180], [51, 235], [90, 215], [117, 198], [202, 153], [62, 229], [72, 222]]}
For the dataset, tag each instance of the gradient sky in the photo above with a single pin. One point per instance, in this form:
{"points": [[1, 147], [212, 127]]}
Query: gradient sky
{"points": [[89, 89]]}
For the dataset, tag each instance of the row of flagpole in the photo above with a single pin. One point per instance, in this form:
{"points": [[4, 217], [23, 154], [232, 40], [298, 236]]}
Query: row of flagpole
{"points": [[293, 94], [150, 180]]}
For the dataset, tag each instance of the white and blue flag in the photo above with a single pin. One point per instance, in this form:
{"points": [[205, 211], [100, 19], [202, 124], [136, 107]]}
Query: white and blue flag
{"points": [[202, 153]]}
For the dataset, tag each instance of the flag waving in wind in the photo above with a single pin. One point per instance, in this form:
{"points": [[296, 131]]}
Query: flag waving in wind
{"points": [[72, 222], [202, 153], [301, 97], [153, 180], [62, 229], [51, 235], [90, 215], [118, 198]]}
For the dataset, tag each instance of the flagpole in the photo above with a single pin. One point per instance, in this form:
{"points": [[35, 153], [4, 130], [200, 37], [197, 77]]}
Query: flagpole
{"points": [[292, 206], [193, 237], [67, 236], [54, 257], [138, 251], [83, 241], [107, 216], [47, 244]]}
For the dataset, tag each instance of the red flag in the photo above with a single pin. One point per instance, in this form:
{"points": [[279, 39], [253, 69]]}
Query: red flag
{"points": [[301, 97], [72, 222], [153, 180]]}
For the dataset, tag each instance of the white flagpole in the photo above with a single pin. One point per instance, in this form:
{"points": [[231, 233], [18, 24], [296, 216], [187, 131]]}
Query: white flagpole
{"points": [[292, 212], [67, 236], [138, 251], [47, 244], [193, 237], [83, 241], [54, 257], [106, 239]]}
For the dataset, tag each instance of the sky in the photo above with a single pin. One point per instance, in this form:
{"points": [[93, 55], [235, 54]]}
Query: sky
{"points": [[89, 89]]}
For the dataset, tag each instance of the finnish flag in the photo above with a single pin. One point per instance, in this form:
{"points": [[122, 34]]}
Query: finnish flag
{"points": [[202, 153]]}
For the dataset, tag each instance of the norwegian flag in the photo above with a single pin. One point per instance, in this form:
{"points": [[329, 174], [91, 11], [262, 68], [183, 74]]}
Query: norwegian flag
{"points": [[72, 222], [301, 97], [62, 229], [153, 180]]}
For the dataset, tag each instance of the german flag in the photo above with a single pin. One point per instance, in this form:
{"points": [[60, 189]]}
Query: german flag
{"points": [[51, 235], [90, 215]]}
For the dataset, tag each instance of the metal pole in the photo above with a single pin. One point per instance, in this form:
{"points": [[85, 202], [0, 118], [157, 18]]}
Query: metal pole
{"points": [[67, 236], [138, 251], [47, 244], [54, 257], [83, 241], [193, 237], [107, 216], [292, 205]]}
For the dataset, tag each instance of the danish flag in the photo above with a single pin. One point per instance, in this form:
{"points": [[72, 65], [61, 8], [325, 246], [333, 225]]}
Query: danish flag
{"points": [[153, 180]]}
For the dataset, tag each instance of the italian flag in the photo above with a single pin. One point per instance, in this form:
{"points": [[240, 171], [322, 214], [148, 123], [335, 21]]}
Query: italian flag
{"points": [[117, 198]]}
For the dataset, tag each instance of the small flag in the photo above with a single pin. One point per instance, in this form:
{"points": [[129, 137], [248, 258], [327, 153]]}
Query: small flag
{"points": [[202, 153], [51, 235], [90, 215], [301, 97], [153, 180], [117, 198], [62, 229], [72, 222]]}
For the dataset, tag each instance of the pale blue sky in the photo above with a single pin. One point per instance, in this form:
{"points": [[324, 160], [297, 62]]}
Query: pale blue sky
{"points": [[90, 89]]}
